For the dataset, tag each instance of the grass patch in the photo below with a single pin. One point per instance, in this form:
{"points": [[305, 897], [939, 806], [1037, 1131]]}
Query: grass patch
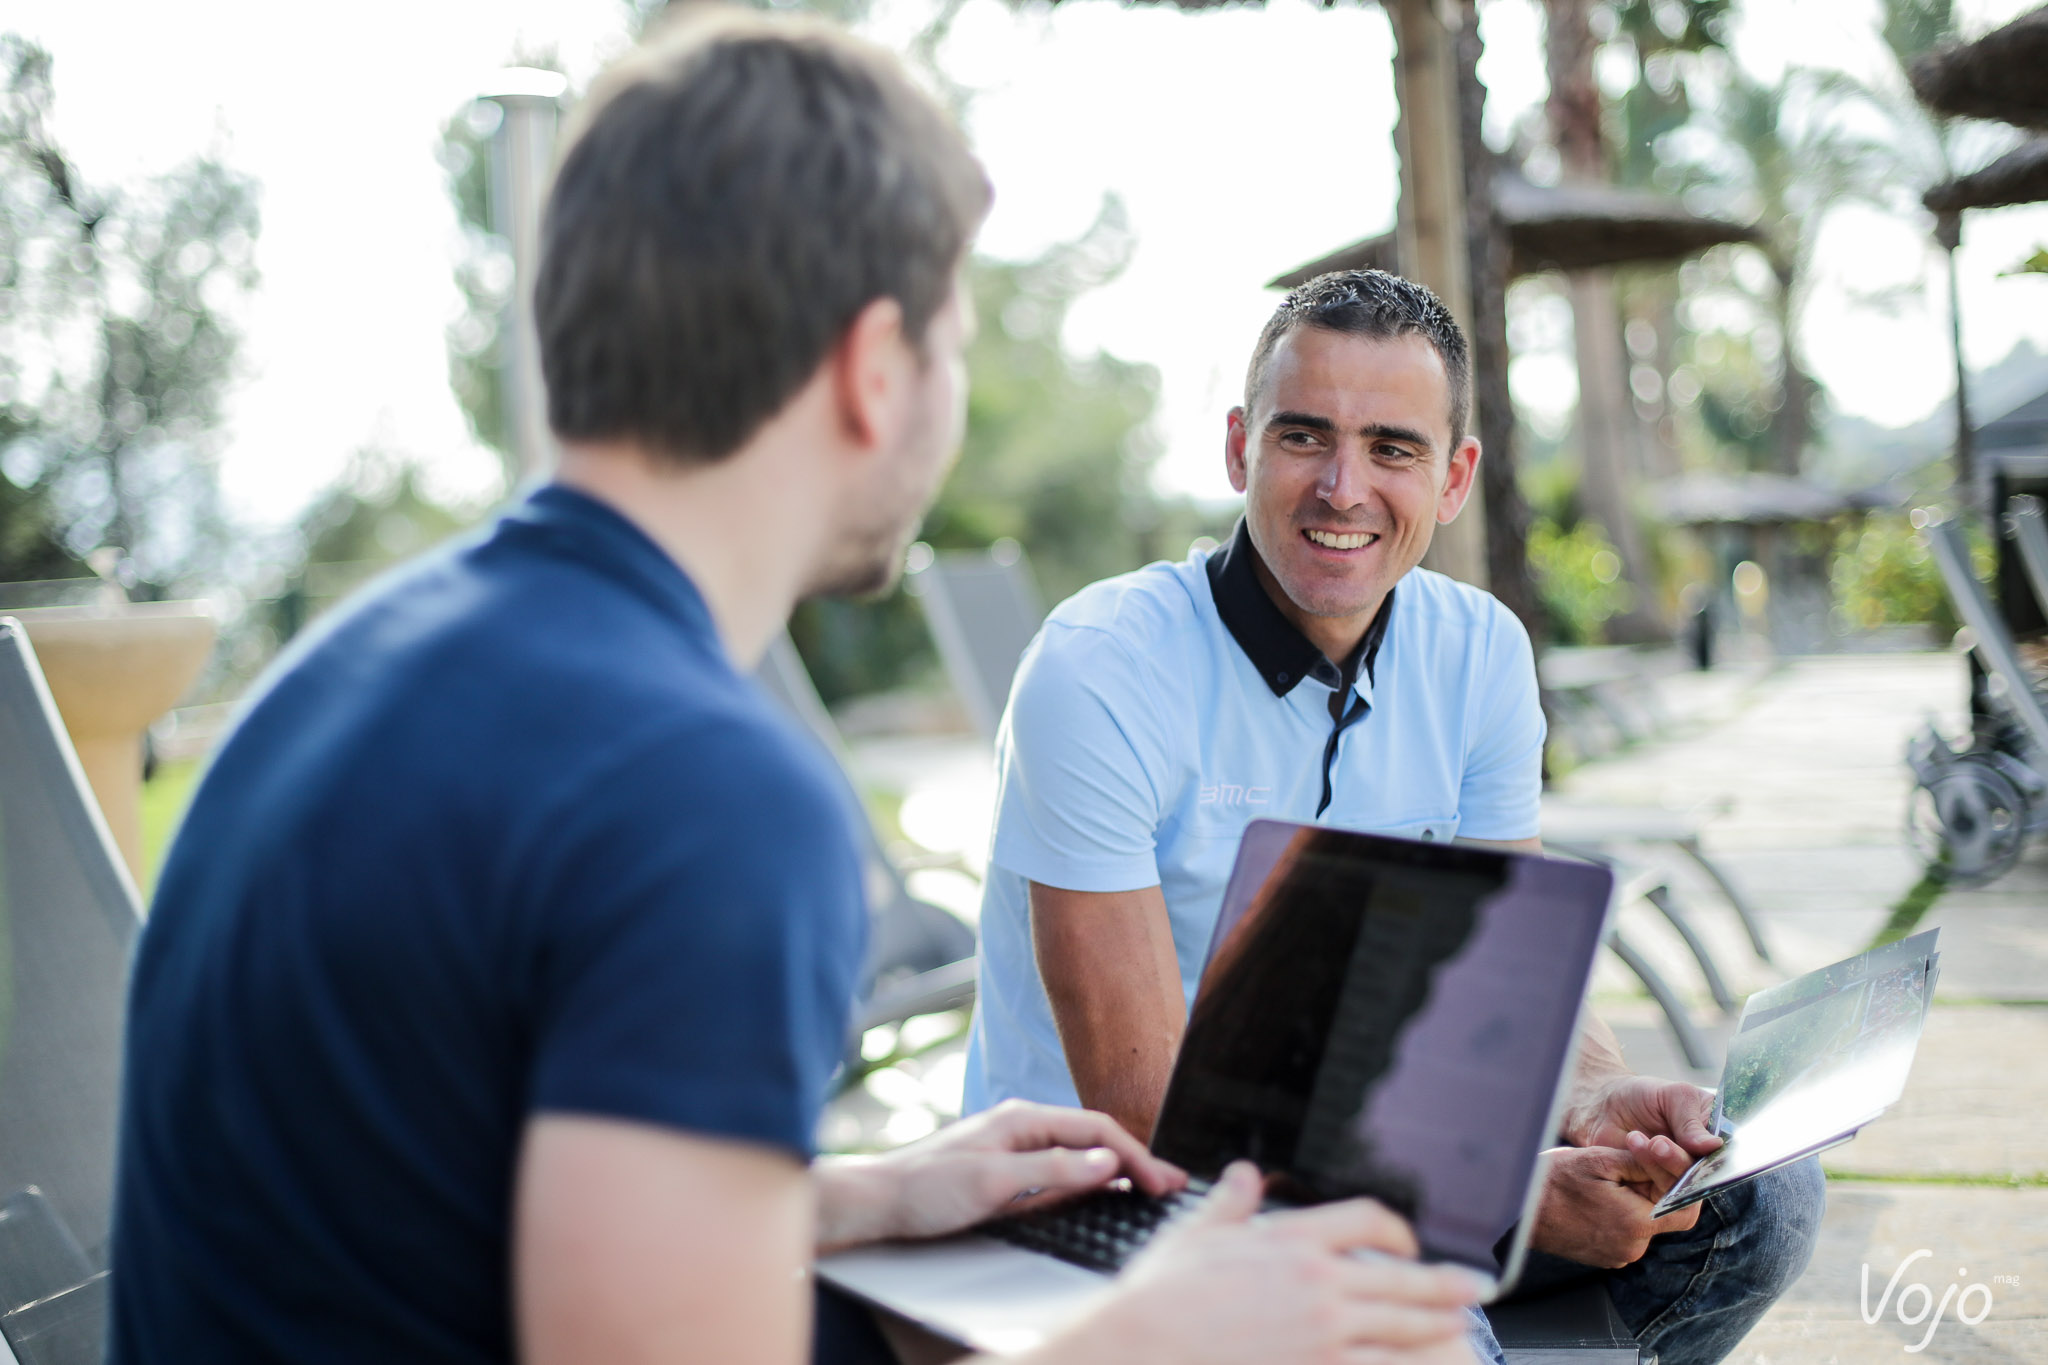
{"points": [[2037, 1180], [1977, 1001], [1912, 907], [164, 798], [885, 808]]}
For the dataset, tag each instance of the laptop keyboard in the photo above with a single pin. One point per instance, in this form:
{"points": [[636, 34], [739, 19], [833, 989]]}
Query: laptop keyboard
{"points": [[1099, 1231]]}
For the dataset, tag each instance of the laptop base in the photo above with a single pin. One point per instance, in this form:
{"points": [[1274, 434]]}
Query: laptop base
{"points": [[1575, 1325]]}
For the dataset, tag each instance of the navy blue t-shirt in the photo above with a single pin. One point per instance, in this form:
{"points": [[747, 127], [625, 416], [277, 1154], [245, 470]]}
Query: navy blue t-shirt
{"points": [[510, 837]]}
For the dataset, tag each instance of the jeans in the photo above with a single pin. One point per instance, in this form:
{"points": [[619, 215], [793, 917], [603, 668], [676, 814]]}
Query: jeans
{"points": [[1694, 1296]]}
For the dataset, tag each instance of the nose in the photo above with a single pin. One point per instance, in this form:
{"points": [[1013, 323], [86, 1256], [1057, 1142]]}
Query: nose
{"points": [[1344, 483]]}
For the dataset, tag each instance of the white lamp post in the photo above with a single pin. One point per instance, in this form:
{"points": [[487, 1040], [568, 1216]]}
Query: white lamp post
{"points": [[522, 156]]}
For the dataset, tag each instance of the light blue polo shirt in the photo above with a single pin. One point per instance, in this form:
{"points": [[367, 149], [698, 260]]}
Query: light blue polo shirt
{"points": [[1141, 737]]}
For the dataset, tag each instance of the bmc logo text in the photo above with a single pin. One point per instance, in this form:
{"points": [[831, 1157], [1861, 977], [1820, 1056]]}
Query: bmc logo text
{"points": [[1927, 1310], [1229, 794]]}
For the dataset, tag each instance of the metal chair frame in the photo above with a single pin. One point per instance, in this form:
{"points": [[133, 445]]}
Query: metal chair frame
{"points": [[920, 957], [1976, 804]]}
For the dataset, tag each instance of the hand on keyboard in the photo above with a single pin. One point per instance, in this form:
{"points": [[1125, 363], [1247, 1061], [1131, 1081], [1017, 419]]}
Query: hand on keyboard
{"points": [[1226, 1285], [1012, 1158]]}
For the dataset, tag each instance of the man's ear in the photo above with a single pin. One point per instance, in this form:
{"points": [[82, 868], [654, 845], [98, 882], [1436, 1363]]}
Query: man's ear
{"points": [[871, 369], [1234, 437], [1459, 482]]}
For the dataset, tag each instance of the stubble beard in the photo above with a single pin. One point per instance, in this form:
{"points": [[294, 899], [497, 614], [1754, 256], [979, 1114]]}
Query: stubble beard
{"points": [[1312, 597], [866, 566], [868, 558]]}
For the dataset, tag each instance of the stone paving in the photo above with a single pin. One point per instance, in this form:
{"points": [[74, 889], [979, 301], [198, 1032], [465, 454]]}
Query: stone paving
{"points": [[1802, 762], [1796, 771]]}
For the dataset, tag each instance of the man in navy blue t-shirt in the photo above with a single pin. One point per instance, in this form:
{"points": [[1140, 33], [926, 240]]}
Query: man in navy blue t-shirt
{"points": [[495, 980]]}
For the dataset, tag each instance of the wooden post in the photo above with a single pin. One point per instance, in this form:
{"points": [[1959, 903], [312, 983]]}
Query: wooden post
{"points": [[1971, 490], [1430, 232], [1609, 431], [1508, 574]]}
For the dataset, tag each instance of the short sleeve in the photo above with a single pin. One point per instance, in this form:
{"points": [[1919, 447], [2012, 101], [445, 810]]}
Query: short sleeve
{"points": [[1078, 801], [1500, 794], [697, 930]]}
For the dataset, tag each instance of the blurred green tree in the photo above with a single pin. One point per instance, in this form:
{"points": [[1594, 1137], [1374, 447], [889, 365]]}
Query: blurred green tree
{"points": [[1780, 155], [1884, 575], [375, 515], [1578, 580], [1057, 457], [1919, 149], [1662, 39], [114, 351], [1598, 139]]}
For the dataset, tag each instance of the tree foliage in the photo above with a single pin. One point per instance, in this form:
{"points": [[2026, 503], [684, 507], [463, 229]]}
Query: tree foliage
{"points": [[373, 516], [1057, 457], [114, 350], [1781, 155], [1579, 581], [1057, 453]]}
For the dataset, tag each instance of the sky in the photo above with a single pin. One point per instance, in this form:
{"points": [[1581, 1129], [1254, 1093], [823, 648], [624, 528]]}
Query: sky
{"points": [[1243, 142]]}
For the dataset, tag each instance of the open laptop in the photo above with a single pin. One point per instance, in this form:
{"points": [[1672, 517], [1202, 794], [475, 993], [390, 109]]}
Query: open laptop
{"points": [[68, 916], [1814, 1060], [1376, 1017]]}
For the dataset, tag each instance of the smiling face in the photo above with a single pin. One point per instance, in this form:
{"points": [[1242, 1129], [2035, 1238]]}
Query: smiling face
{"points": [[1347, 466]]}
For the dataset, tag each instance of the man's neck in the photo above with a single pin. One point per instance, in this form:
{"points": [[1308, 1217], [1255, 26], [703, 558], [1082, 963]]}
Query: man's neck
{"points": [[1337, 636], [737, 526]]}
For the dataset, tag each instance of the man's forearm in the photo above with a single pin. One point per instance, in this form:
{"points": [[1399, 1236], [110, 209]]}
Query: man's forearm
{"points": [[1111, 975], [1127, 1083], [858, 1201], [1598, 1066]]}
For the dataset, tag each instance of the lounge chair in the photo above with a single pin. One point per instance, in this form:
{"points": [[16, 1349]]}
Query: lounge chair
{"points": [[70, 917], [920, 957]]}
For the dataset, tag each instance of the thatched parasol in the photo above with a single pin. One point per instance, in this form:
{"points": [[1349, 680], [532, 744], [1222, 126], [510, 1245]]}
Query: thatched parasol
{"points": [[1756, 500], [2003, 75], [2018, 177], [1563, 227]]}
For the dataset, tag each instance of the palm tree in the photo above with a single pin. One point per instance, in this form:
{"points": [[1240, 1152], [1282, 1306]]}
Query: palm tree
{"points": [[1779, 155], [1924, 149], [1608, 442]]}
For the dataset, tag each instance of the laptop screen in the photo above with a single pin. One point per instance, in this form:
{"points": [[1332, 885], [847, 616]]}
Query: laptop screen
{"points": [[1387, 1018]]}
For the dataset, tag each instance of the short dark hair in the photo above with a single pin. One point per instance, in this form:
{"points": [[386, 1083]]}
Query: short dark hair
{"points": [[1371, 303], [735, 193]]}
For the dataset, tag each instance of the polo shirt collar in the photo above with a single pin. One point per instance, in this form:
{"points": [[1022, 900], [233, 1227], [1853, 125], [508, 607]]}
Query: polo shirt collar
{"points": [[1276, 647], [590, 530]]}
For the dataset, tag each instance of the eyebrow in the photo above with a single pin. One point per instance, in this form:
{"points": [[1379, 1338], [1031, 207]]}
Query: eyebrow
{"points": [[1378, 430]]}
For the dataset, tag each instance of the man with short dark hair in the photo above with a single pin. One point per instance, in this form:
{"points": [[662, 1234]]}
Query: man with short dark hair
{"points": [[1310, 670], [495, 981]]}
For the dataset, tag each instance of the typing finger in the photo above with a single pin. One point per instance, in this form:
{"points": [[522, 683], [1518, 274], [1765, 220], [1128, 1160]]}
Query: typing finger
{"points": [[1047, 1175], [1037, 1125]]}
